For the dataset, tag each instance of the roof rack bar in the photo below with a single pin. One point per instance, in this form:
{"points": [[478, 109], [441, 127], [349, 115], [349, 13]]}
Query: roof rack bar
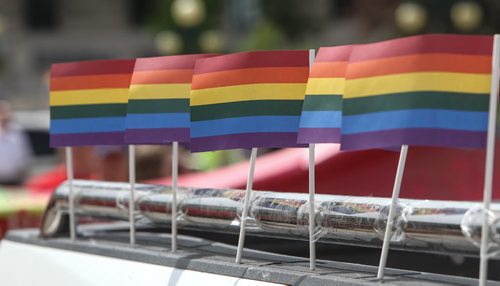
{"points": [[446, 227]]}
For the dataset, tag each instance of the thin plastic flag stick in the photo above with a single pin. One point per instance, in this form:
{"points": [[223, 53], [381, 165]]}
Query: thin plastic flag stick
{"points": [[175, 175], [490, 154], [71, 196], [312, 188], [392, 210], [248, 193], [312, 191], [131, 200]]}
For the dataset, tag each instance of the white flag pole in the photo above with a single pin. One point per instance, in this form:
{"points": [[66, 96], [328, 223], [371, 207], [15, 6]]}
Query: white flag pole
{"points": [[312, 191], [131, 201], [71, 197], [490, 156], [392, 209], [175, 175], [248, 192]]}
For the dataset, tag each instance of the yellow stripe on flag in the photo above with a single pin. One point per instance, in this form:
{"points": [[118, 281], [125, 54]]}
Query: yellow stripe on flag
{"points": [[447, 82], [273, 91], [160, 91], [88, 96], [325, 86]]}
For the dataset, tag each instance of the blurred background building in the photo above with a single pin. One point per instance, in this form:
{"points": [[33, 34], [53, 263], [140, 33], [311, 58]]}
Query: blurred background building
{"points": [[36, 33]]}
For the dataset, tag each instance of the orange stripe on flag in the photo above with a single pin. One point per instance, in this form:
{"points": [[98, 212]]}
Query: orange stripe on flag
{"points": [[328, 69], [421, 63], [162, 76]]}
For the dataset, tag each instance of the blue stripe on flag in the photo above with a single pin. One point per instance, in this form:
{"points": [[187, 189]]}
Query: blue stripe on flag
{"points": [[240, 125], [320, 119], [415, 118], [87, 125], [157, 120]]}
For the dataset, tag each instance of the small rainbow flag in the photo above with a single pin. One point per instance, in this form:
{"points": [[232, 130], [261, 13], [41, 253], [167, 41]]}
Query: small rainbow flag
{"points": [[158, 106], [320, 121], [428, 90], [245, 100], [88, 102]]}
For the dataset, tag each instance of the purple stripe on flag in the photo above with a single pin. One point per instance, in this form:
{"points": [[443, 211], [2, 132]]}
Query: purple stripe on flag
{"points": [[86, 139], [156, 135], [414, 137], [319, 135], [245, 141]]}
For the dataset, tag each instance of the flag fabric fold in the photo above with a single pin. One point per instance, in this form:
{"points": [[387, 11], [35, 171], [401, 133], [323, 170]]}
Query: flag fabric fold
{"points": [[245, 100], [158, 105], [430, 90], [88, 102], [320, 121]]}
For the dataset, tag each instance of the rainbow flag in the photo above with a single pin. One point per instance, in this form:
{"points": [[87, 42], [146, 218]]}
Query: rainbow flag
{"points": [[88, 102], [430, 90], [246, 100], [158, 106], [320, 121]]}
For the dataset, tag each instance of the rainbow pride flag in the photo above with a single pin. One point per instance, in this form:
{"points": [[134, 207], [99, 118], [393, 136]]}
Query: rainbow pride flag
{"points": [[158, 106], [430, 90], [320, 121], [245, 100], [88, 102]]}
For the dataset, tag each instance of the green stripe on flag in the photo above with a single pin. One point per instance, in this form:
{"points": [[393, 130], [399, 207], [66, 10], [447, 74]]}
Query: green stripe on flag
{"points": [[178, 105], [323, 103], [246, 108], [416, 100], [88, 111]]}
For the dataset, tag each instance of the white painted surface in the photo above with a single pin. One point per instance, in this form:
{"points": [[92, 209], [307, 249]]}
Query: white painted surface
{"points": [[24, 264]]}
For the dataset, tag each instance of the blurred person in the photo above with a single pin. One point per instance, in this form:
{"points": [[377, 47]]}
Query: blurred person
{"points": [[112, 163], [154, 161], [89, 163], [15, 151]]}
